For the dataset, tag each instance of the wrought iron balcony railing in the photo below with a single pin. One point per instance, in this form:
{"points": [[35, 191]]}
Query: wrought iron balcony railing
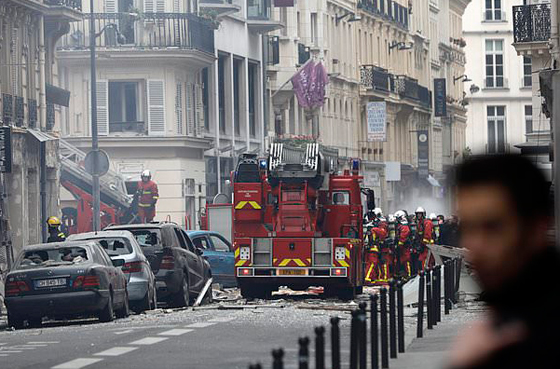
{"points": [[531, 23], [407, 87], [387, 9], [73, 4], [375, 78], [425, 97], [143, 31]]}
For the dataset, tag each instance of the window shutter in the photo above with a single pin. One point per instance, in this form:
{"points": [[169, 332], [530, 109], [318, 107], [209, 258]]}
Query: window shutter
{"points": [[190, 110], [199, 111], [160, 6], [149, 6], [179, 108], [156, 108], [176, 6], [111, 6], [102, 97]]}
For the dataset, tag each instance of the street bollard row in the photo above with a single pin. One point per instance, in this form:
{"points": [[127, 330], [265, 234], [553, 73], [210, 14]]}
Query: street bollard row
{"points": [[386, 328]]}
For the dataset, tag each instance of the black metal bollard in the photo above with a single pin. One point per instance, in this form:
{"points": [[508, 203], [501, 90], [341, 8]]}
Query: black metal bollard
{"points": [[434, 297], [420, 321], [384, 330], [374, 333], [303, 357], [335, 343], [392, 321], [457, 279], [320, 348], [429, 297], [354, 340], [278, 359], [446, 294], [400, 316], [438, 293], [362, 322], [452, 275]]}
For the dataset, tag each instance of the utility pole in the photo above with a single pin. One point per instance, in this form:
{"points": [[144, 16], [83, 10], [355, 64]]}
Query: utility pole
{"points": [[94, 137]]}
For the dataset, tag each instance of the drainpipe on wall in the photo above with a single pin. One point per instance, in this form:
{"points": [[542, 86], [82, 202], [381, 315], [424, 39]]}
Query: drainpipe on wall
{"points": [[554, 36], [43, 190]]}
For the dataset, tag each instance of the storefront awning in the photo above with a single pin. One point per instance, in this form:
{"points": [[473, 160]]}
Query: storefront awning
{"points": [[41, 136]]}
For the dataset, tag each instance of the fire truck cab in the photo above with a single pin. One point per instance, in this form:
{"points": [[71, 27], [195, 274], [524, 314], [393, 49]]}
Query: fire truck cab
{"points": [[297, 222]]}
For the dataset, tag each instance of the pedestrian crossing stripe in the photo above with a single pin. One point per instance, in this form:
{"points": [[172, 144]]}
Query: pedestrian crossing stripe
{"points": [[241, 204]]}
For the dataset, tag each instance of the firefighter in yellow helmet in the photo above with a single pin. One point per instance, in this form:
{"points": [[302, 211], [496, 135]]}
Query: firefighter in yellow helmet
{"points": [[55, 234]]}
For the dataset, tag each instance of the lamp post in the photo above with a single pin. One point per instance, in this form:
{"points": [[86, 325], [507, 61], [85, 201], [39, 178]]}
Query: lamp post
{"points": [[94, 134]]}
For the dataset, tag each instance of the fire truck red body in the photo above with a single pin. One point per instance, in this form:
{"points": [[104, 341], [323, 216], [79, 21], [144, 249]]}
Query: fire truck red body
{"points": [[297, 223]]}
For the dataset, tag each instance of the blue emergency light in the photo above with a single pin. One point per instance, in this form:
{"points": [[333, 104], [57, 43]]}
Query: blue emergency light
{"points": [[356, 164], [263, 163]]}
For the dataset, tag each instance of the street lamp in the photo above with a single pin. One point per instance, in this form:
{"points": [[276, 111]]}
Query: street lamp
{"points": [[464, 78]]}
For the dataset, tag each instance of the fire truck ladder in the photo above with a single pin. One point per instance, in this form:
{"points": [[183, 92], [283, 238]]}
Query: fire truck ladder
{"points": [[308, 157], [112, 186]]}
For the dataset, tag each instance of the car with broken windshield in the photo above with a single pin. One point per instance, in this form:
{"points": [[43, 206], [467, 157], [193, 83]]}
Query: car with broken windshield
{"points": [[64, 280]]}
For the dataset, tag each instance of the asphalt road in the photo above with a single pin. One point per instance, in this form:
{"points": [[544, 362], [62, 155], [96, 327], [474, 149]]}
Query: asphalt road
{"points": [[206, 338]]}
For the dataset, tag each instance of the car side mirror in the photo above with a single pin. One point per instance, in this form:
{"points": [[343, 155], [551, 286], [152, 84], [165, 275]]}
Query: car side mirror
{"points": [[199, 252], [118, 263]]}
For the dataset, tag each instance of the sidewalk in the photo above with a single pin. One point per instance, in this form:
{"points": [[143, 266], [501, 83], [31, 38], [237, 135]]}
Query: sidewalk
{"points": [[432, 350]]}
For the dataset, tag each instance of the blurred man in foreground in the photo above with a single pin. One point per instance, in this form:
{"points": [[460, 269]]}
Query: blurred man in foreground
{"points": [[503, 205]]}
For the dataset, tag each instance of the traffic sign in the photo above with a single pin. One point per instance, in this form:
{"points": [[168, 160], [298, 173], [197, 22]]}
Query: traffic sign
{"points": [[102, 162]]}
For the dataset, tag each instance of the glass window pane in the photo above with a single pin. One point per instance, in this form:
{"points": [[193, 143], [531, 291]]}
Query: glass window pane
{"points": [[499, 71], [489, 82], [501, 136], [489, 71], [499, 59], [500, 111], [489, 45], [491, 137], [497, 4], [499, 82], [490, 59], [488, 4], [497, 14], [499, 45], [529, 110], [490, 111]]}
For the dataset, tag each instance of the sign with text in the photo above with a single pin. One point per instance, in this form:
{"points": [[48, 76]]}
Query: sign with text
{"points": [[423, 154], [440, 99], [372, 179], [377, 121], [5, 150]]}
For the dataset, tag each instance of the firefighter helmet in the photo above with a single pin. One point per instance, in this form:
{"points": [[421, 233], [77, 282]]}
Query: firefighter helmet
{"points": [[378, 212], [433, 216], [54, 222], [146, 174], [391, 218], [420, 210], [400, 216]]}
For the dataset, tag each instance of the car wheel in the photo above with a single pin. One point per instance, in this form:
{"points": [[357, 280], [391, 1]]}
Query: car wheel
{"points": [[123, 312], [107, 314], [182, 298], [35, 322], [15, 321]]}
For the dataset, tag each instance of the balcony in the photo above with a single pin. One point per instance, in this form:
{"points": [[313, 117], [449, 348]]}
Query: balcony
{"points": [[68, 10], [408, 87], [145, 32], [375, 78], [425, 97], [259, 14], [221, 8], [531, 29], [388, 10]]}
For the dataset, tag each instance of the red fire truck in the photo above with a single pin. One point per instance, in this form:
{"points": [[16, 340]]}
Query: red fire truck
{"points": [[297, 222]]}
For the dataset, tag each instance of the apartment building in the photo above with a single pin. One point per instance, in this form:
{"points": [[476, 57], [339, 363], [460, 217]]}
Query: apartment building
{"points": [[150, 95], [500, 94], [29, 190]]}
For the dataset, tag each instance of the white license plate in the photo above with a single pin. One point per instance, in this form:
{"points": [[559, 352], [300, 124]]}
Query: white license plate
{"points": [[53, 282]]}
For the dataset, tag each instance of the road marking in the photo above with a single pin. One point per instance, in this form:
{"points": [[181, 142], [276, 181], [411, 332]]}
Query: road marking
{"points": [[36, 345], [175, 332], [125, 332], [9, 352], [222, 320], [24, 347], [2, 355], [3, 343], [149, 341], [199, 325], [116, 351], [42, 342], [77, 364]]}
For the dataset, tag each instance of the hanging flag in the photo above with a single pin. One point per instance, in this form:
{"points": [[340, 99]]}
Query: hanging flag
{"points": [[321, 80], [303, 82]]}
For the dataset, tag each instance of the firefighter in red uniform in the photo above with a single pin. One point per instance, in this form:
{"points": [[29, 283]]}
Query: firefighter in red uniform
{"points": [[148, 196], [403, 244], [385, 268], [424, 237], [376, 235]]}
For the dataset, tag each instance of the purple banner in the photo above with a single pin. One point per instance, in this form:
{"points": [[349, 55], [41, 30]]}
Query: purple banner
{"points": [[321, 80], [310, 84]]}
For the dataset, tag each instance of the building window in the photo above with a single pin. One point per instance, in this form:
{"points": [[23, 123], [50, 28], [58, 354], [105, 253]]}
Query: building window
{"points": [[496, 129], [527, 72], [236, 96], [205, 94], [528, 119], [494, 64], [314, 30], [252, 82], [494, 10], [222, 93], [125, 114]]}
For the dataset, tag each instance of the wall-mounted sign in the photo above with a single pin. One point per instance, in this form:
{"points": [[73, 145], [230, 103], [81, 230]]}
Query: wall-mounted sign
{"points": [[423, 154], [5, 150], [440, 99], [377, 121]]}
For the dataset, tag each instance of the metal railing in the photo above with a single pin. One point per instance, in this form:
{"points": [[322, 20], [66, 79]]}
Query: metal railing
{"points": [[375, 78], [407, 87], [73, 4], [388, 10], [531, 23], [142, 31], [425, 96]]}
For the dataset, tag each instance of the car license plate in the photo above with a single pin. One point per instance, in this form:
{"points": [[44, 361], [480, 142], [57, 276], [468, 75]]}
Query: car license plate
{"points": [[291, 272], [53, 282]]}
